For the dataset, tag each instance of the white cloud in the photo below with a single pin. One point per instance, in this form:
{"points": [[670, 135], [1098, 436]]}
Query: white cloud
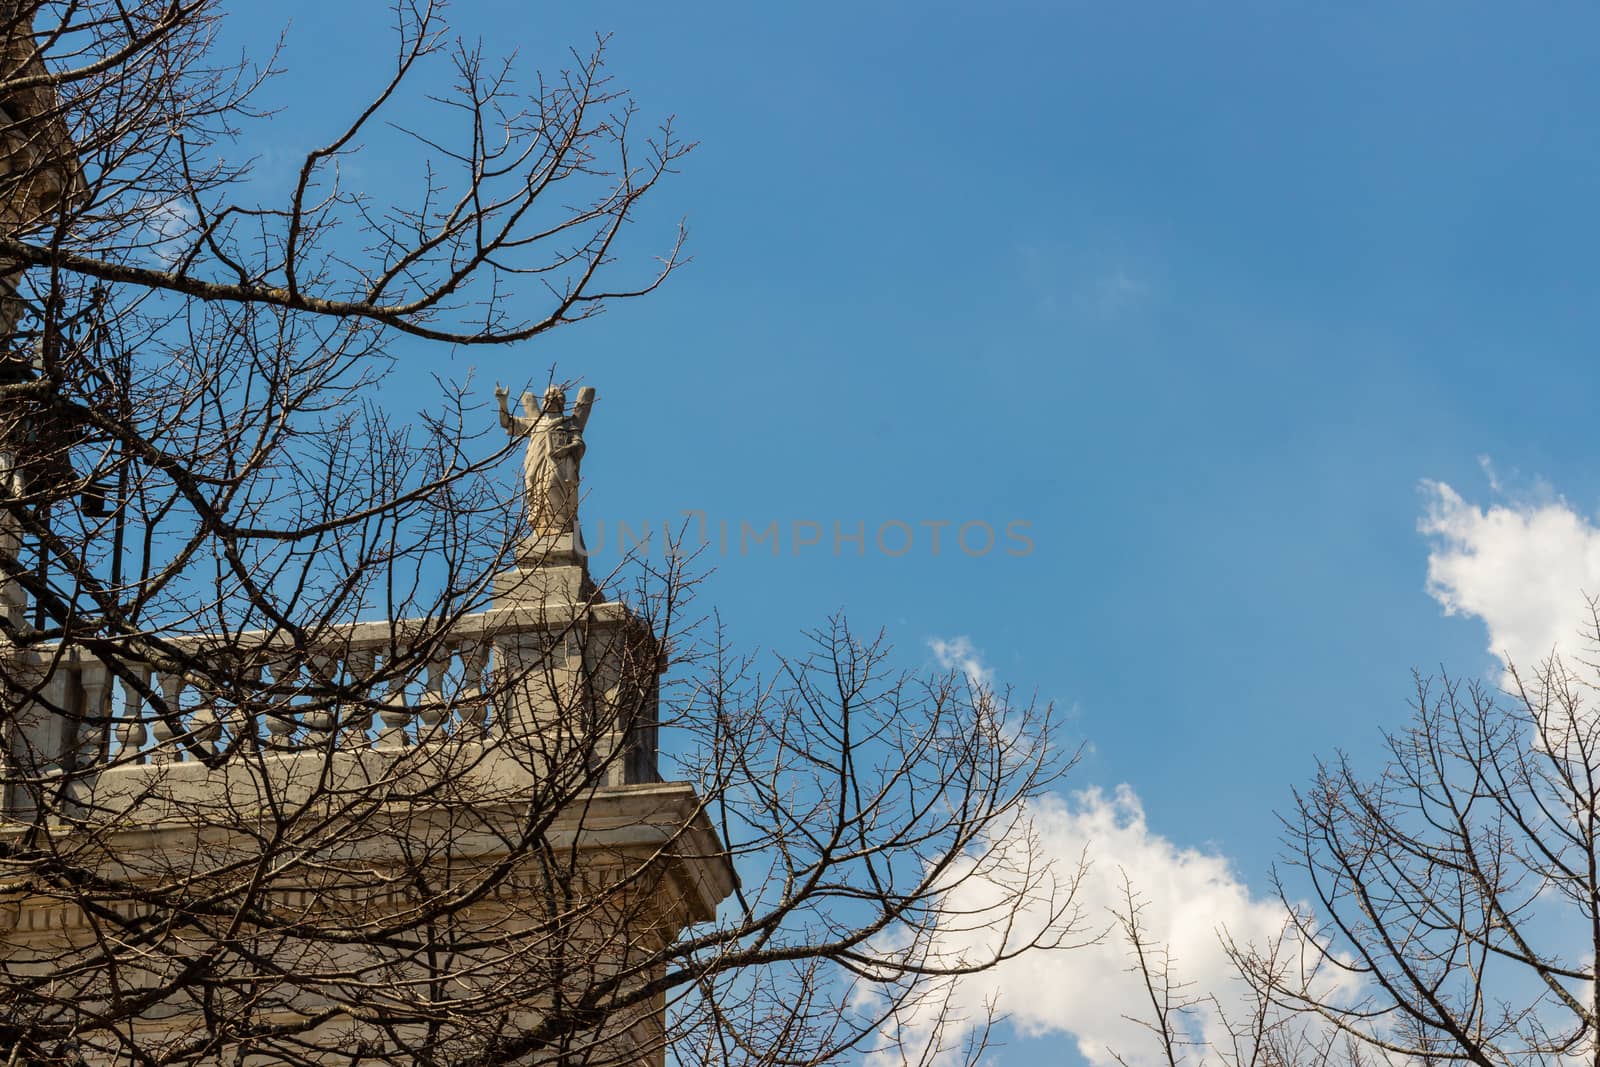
{"points": [[959, 653], [1190, 896], [1088, 992], [168, 224], [1522, 567]]}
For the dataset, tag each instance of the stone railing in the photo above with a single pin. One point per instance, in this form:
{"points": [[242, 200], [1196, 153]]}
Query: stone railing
{"points": [[376, 685]]}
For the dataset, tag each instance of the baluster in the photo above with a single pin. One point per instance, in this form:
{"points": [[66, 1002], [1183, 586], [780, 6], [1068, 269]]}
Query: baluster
{"points": [[42, 726], [433, 701], [241, 726], [474, 706], [166, 727], [323, 668], [48, 735], [517, 680], [358, 717], [131, 732], [396, 715], [205, 725], [282, 721], [96, 697], [240, 722]]}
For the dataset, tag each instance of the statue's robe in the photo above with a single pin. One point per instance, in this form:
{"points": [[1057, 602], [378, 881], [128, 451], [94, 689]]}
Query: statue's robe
{"points": [[550, 473]]}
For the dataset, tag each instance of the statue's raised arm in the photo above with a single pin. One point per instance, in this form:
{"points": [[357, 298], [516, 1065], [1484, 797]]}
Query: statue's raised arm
{"points": [[580, 410], [516, 427]]}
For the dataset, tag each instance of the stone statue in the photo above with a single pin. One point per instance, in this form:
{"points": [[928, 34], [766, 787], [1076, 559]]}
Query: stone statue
{"points": [[555, 450]]}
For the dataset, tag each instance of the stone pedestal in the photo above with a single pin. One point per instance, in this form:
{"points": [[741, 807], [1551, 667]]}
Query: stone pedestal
{"points": [[550, 570]]}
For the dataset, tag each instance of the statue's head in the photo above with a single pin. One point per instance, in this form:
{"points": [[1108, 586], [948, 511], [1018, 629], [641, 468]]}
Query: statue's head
{"points": [[555, 400]]}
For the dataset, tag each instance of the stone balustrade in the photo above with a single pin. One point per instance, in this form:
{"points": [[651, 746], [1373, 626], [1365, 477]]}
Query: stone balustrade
{"points": [[380, 686]]}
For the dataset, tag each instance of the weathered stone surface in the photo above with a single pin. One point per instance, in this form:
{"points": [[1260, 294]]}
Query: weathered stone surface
{"points": [[550, 469], [449, 774]]}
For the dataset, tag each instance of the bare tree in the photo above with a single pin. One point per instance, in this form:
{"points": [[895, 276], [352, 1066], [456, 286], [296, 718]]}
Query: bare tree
{"points": [[241, 824], [1245, 1026], [1455, 899]]}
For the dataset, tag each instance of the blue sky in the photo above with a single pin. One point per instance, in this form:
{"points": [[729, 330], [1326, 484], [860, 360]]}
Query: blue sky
{"points": [[1208, 294]]}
